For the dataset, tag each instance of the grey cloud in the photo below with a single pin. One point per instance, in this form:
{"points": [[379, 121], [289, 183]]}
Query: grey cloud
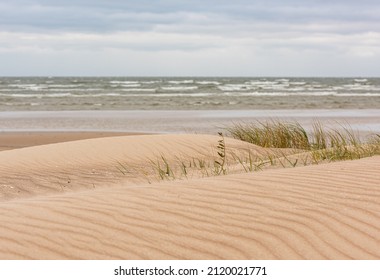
{"points": [[217, 35], [117, 15]]}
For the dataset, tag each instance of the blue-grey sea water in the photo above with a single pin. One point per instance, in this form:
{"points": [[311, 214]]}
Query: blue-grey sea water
{"points": [[169, 93]]}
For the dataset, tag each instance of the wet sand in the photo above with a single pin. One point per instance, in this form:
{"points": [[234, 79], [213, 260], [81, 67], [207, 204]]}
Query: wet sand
{"points": [[365, 120]]}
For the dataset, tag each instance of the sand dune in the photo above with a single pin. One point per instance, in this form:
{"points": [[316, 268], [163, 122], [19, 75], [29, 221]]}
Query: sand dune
{"points": [[329, 211], [94, 163]]}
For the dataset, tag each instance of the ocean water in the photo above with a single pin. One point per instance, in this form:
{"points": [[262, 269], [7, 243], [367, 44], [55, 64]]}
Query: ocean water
{"points": [[170, 93]]}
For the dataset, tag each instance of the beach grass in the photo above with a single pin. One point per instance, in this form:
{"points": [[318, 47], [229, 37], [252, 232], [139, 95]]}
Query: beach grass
{"points": [[323, 143], [278, 134], [287, 145], [273, 134]]}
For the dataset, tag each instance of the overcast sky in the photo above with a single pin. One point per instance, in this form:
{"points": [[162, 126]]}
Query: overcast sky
{"points": [[189, 38]]}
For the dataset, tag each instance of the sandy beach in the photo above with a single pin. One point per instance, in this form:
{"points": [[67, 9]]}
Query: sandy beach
{"points": [[177, 130], [98, 196]]}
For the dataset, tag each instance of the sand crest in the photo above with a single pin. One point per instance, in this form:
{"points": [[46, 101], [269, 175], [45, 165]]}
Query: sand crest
{"points": [[94, 163]]}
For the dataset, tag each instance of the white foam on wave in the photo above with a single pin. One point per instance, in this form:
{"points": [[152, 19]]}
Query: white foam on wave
{"points": [[56, 95], [297, 83], [282, 93], [358, 87], [140, 89], [150, 82], [179, 88], [367, 94], [181, 82], [276, 86], [32, 87], [131, 85], [198, 94], [124, 82], [52, 86], [261, 83], [74, 89], [298, 89], [207, 83], [21, 85], [97, 94], [267, 85], [234, 87], [53, 95], [39, 95], [255, 86], [302, 93]]}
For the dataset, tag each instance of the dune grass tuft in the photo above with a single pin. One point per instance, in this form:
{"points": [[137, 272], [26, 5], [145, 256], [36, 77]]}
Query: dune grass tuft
{"points": [[324, 144], [273, 134], [289, 145]]}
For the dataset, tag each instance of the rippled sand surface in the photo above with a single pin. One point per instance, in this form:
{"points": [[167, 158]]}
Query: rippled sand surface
{"points": [[70, 201]]}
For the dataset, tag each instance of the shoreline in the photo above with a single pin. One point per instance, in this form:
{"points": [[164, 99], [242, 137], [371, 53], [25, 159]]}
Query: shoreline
{"points": [[176, 121]]}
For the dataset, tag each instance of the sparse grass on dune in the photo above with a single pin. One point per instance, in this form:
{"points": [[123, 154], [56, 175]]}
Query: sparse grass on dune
{"points": [[288, 145]]}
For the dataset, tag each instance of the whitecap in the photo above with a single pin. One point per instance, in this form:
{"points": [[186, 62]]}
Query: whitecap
{"points": [[207, 83], [181, 82], [52, 86], [139, 89], [131, 85], [179, 88], [124, 82], [233, 87], [198, 94], [297, 83]]}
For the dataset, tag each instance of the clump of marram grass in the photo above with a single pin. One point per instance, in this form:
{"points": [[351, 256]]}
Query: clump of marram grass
{"points": [[299, 147], [273, 134], [323, 143], [277, 134]]}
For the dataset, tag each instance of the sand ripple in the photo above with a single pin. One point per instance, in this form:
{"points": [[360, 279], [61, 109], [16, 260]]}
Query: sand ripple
{"points": [[329, 211]]}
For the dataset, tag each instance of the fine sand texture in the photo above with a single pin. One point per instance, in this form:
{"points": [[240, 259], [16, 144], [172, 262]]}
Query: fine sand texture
{"points": [[86, 199]]}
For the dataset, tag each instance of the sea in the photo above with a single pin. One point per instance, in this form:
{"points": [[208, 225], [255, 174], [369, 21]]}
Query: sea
{"points": [[186, 93], [183, 104]]}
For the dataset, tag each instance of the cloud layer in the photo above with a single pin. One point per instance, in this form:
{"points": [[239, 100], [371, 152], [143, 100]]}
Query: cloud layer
{"points": [[243, 38]]}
